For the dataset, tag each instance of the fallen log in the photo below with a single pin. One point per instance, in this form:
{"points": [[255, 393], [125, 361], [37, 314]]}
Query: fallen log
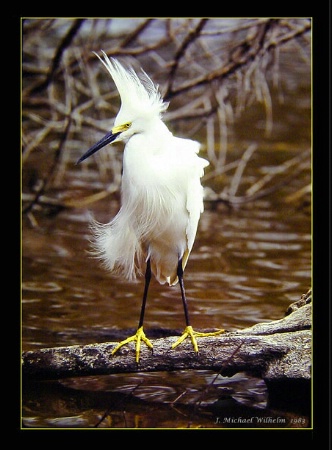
{"points": [[278, 351]]}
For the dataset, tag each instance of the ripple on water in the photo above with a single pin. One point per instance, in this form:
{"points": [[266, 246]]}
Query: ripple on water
{"points": [[41, 286]]}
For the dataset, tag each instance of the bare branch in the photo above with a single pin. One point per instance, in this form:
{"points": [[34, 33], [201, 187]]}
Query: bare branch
{"points": [[212, 74], [58, 55], [191, 36]]}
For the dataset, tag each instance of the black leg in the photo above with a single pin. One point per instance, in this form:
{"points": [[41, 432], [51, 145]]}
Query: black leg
{"points": [[183, 294], [139, 336], [145, 295], [189, 329]]}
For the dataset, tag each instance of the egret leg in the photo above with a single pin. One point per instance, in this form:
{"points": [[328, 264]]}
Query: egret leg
{"points": [[189, 331], [140, 335]]}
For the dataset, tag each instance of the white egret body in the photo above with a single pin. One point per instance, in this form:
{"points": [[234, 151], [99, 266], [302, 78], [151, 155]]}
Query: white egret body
{"points": [[161, 195]]}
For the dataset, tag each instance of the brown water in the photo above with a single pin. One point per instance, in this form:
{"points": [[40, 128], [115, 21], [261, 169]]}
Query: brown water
{"points": [[247, 265]]}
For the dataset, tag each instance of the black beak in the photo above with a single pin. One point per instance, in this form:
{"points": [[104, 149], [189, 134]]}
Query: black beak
{"points": [[107, 139]]}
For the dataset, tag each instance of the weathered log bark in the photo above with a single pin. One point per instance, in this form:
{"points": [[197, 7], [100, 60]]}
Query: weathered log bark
{"points": [[278, 351]]}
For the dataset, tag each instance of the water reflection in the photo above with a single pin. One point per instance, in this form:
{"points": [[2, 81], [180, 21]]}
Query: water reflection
{"points": [[186, 397], [244, 269], [182, 399], [247, 266]]}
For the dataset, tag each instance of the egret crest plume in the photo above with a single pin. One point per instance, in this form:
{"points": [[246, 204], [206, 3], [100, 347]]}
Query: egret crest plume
{"points": [[140, 95]]}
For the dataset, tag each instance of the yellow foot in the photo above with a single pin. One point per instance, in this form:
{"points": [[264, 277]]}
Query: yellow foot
{"points": [[138, 337], [190, 332]]}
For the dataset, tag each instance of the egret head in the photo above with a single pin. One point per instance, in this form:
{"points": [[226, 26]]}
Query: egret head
{"points": [[141, 102]]}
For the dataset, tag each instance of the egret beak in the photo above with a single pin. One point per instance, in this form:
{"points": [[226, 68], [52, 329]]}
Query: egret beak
{"points": [[107, 139]]}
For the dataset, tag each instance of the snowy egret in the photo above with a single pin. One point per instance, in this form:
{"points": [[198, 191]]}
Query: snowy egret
{"points": [[161, 195]]}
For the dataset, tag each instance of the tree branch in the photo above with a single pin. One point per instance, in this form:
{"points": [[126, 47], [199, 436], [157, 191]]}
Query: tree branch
{"points": [[66, 41]]}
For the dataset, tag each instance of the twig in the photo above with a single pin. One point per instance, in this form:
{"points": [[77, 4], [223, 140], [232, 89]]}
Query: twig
{"points": [[248, 53], [191, 36], [240, 169], [57, 57], [53, 167]]}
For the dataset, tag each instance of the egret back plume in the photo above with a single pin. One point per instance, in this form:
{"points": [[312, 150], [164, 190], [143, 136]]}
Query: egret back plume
{"points": [[138, 94]]}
